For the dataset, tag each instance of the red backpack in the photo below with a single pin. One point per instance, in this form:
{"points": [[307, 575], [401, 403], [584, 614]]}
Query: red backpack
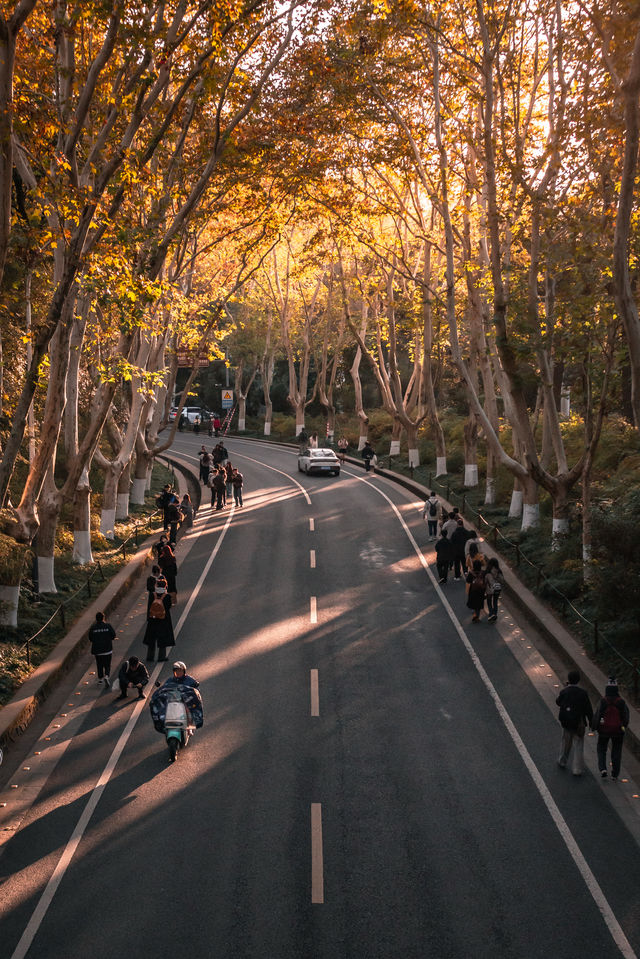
{"points": [[610, 718], [157, 610]]}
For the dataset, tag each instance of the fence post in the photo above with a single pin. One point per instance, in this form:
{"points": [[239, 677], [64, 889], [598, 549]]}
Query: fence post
{"points": [[62, 616], [124, 550], [430, 483], [539, 577], [517, 555], [495, 536], [89, 586], [635, 680], [464, 503], [101, 570], [29, 653], [448, 491], [596, 645]]}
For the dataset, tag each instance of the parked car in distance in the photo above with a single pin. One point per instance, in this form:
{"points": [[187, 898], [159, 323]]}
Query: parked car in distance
{"points": [[318, 461], [173, 412]]}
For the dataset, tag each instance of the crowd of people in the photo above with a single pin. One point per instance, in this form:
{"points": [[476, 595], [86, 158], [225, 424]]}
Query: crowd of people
{"points": [[219, 474], [458, 550]]}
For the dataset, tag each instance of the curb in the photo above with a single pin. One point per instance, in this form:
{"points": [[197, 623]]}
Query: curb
{"points": [[21, 709]]}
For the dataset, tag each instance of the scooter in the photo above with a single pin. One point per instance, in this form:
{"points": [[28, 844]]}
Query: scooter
{"points": [[177, 725], [176, 712]]}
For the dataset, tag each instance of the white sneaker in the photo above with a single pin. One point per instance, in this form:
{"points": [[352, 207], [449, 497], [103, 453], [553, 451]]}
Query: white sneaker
{"points": [[107, 682]]}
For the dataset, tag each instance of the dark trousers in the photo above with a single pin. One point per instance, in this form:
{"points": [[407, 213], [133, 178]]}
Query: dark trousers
{"points": [[433, 527], [492, 603], [103, 664], [443, 569], [616, 753], [151, 651], [458, 566], [237, 495]]}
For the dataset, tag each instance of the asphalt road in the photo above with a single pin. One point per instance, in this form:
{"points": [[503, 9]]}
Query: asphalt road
{"points": [[375, 778]]}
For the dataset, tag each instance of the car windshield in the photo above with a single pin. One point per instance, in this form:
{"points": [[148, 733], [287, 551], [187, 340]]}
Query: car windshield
{"points": [[321, 452]]}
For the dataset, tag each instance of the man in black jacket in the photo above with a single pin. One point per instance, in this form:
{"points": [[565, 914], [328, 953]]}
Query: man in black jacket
{"points": [[101, 636], [132, 674], [575, 715]]}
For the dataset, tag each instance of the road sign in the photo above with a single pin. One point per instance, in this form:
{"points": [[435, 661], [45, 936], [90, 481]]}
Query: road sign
{"points": [[227, 399]]}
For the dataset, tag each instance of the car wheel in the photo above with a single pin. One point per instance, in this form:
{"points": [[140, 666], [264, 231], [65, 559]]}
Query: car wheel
{"points": [[336, 473]]}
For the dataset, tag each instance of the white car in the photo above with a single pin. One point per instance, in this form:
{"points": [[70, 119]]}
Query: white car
{"points": [[318, 461]]}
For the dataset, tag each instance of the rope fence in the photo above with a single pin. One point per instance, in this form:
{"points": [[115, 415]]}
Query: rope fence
{"points": [[59, 612]]}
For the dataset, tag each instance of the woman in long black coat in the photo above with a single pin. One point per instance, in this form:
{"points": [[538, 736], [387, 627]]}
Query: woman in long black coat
{"points": [[159, 631], [167, 563]]}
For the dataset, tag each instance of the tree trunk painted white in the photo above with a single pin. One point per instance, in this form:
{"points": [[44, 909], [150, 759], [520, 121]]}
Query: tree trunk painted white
{"points": [[46, 576], [559, 529], [515, 507], [362, 439], [107, 522], [299, 426], [267, 427], [138, 490], [330, 436], [82, 554], [530, 515], [441, 466], [9, 597], [122, 506], [470, 474], [394, 448], [414, 457], [490, 491], [565, 402], [241, 424]]}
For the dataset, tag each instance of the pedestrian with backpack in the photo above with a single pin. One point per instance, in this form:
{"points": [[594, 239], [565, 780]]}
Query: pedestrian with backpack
{"points": [[159, 631], [430, 513], [101, 637], [610, 722], [574, 716]]}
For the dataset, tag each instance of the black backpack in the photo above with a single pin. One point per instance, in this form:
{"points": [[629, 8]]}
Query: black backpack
{"points": [[433, 509]]}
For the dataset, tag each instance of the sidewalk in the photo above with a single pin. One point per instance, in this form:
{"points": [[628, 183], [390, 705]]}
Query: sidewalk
{"points": [[18, 713]]}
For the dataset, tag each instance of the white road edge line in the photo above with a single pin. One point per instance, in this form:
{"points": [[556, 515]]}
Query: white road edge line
{"points": [[315, 693], [317, 867], [590, 880], [69, 851]]}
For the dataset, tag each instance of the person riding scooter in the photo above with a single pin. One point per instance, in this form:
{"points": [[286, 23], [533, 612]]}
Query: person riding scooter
{"points": [[180, 676], [176, 709]]}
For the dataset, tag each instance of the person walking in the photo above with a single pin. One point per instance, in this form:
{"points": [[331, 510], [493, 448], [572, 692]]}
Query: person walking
{"points": [[444, 556], [216, 425], [159, 631], [152, 579], [450, 523], [368, 454], [101, 637], [164, 500], [313, 441], [493, 581], [206, 460], [458, 540], [218, 487], [575, 715], [343, 446], [237, 481], [475, 590], [228, 470], [175, 518], [472, 540], [169, 567], [610, 722], [133, 675], [186, 508], [473, 555], [430, 513]]}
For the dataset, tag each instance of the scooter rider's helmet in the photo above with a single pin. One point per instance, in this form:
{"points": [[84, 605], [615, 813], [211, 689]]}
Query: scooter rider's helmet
{"points": [[179, 665]]}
